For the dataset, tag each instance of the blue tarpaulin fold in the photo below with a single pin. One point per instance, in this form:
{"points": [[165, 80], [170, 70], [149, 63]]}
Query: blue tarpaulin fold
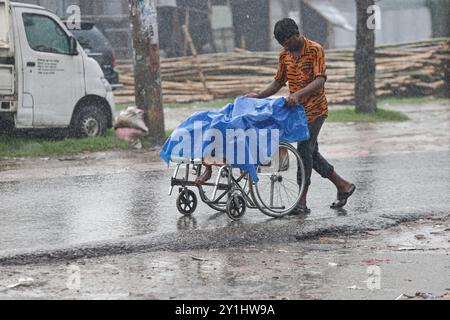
{"points": [[220, 133]]}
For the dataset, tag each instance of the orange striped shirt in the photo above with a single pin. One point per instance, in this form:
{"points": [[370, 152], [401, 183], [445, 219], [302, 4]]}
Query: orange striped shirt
{"points": [[301, 71]]}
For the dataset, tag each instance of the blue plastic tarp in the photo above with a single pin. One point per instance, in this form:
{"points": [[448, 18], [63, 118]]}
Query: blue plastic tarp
{"points": [[220, 133]]}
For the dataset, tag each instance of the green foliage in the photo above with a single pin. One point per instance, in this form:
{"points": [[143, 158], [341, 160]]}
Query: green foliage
{"points": [[381, 115], [37, 147]]}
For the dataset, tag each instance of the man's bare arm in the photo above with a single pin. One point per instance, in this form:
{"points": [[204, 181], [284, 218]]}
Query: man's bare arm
{"points": [[316, 85], [271, 89]]}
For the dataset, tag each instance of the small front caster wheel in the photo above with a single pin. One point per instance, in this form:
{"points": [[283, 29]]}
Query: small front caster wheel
{"points": [[236, 207], [187, 202]]}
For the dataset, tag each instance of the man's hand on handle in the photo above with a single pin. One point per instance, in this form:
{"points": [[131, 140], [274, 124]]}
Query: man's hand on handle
{"points": [[254, 95], [292, 100], [307, 91], [271, 89]]}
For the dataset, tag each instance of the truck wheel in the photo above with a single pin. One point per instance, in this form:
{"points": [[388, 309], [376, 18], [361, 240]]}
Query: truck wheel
{"points": [[91, 121]]}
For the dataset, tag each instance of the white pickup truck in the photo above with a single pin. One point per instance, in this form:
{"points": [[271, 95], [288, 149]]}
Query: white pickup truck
{"points": [[46, 79]]}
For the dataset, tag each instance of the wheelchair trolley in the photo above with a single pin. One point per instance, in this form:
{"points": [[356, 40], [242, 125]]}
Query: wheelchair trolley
{"points": [[280, 186]]}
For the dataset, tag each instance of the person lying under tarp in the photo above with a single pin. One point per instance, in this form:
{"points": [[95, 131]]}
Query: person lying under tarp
{"points": [[243, 134]]}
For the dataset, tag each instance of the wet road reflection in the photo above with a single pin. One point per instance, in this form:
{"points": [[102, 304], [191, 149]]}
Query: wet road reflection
{"points": [[74, 210]]}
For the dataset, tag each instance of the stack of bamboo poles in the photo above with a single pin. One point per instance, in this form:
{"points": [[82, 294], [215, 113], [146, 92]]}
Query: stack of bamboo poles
{"points": [[403, 69]]}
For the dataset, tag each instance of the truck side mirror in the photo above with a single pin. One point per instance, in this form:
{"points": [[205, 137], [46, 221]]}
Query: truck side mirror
{"points": [[73, 46]]}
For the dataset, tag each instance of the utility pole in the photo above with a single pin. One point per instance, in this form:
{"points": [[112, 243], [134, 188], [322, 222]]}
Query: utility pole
{"points": [[146, 59], [440, 14], [365, 67]]}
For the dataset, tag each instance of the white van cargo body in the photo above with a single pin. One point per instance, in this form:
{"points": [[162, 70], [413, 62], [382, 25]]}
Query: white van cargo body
{"points": [[46, 79]]}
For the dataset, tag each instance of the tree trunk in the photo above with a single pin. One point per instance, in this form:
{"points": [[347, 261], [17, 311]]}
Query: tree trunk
{"points": [[440, 16], [365, 67], [148, 92], [440, 23]]}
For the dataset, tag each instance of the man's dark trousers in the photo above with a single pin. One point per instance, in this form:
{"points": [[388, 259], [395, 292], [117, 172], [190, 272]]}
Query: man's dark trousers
{"points": [[312, 159]]}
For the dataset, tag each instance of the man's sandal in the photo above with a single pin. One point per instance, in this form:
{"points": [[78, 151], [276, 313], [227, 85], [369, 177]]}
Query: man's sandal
{"points": [[300, 209], [342, 198]]}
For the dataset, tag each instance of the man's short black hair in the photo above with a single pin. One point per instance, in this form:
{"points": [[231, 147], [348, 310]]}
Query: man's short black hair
{"points": [[284, 29]]}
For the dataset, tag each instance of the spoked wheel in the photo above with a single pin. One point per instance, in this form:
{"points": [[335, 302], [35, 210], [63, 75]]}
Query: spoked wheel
{"points": [[236, 207], [281, 183], [187, 202]]}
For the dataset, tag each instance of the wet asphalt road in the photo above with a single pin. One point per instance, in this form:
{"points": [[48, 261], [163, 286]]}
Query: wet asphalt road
{"points": [[70, 211]]}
